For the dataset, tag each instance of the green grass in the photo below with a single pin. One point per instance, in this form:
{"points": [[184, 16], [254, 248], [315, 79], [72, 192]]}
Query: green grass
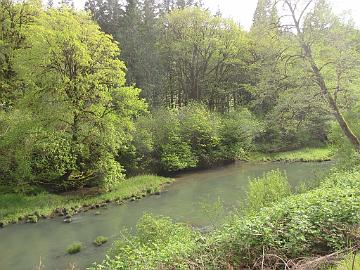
{"points": [[100, 240], [17, 207], [349, 263], [305, 154], [74, 248]]}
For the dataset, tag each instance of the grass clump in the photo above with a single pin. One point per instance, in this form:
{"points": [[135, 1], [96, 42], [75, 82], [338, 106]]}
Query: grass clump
{"points": [[15, 207], [100, 240], [74, 248]]}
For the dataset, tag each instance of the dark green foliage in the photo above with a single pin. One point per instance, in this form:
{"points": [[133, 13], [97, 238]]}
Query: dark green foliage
{"points": [[192, 136], [238, 131]]}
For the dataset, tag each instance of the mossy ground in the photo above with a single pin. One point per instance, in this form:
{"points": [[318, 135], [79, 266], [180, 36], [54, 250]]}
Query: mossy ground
{"points": [[18, 207]]}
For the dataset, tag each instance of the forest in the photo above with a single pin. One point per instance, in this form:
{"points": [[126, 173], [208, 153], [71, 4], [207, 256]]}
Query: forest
{"points": [[108, 104]]}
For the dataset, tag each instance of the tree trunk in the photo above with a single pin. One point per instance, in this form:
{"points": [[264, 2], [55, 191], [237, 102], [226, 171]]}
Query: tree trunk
{"points": [[354, 140]]}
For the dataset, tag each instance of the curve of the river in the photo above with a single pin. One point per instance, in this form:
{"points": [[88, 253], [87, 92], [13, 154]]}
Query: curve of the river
{"points": [[23, 246]]}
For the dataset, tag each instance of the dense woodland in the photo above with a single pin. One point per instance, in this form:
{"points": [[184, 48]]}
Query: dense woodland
{"points": [[73, 115]]}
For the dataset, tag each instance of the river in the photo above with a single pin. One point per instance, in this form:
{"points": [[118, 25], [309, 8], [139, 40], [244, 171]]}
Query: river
{"points": [[23, 246]]}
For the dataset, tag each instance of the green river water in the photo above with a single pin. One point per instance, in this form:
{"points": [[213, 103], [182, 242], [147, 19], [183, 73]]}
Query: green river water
{"points": [[23, 246]]}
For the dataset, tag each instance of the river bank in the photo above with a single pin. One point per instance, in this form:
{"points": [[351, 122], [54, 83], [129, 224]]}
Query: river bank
{"points": [[16, 208], [308, 154]]}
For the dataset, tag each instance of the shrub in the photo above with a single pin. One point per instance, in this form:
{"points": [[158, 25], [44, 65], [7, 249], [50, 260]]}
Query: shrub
{"points": [[201, 129], [172, 151], [271, 187], [74, 248], [158, 243], [238, 132], [100, 240]]}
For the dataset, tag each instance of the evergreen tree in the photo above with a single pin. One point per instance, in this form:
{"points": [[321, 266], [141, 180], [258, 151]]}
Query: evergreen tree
{"points": [[265, 14]]}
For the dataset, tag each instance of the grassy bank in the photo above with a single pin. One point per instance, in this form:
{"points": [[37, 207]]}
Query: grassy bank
{"points": [[311, 224], [17, 207], [308, 154]]}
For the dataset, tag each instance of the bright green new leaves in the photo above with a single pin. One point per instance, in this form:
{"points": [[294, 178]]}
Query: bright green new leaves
{"points": [[75, 90]]}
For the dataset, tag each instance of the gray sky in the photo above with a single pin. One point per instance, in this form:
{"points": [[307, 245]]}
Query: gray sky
{"points": [[242, 10]]}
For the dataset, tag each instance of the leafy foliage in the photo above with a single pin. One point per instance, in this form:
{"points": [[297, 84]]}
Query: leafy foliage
{"points": [[158, 243], [192, 136], [76, 111], [264, 191]]}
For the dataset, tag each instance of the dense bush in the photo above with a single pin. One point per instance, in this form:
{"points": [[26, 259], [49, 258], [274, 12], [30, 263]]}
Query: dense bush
{"points": [[238, 131], [158, 243], [192, 136], [347, 156]]}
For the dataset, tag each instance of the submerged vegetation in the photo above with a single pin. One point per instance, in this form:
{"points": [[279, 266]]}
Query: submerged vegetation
{"points": [[74, 248], [100, 240]]}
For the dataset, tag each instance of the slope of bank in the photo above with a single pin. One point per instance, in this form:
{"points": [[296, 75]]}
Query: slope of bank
{"points": [[17, 207]]}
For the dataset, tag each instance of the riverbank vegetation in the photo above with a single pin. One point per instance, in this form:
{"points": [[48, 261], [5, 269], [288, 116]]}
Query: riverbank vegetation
{"points": [[16, 207], [307, 154], [284, 228]]}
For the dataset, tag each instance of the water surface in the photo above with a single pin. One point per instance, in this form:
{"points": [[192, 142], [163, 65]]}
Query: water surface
{"points": [[23, 246]]}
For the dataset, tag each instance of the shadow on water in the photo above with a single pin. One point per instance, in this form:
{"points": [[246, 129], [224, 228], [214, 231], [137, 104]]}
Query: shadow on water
{"points": [[22, 245]]}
